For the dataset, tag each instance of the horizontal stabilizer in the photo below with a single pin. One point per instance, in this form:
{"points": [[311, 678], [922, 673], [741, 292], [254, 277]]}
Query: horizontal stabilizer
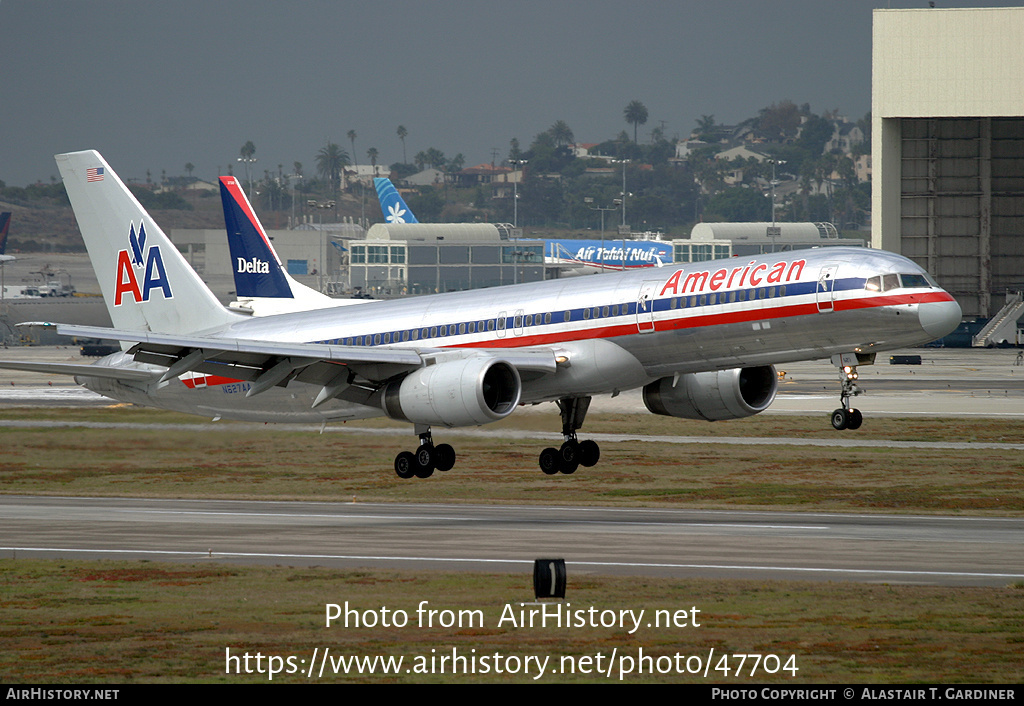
{"points": [[83, 369]]}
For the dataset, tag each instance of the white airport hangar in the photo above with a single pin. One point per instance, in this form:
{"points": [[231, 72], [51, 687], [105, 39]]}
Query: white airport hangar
{"points": [[948, 148]]}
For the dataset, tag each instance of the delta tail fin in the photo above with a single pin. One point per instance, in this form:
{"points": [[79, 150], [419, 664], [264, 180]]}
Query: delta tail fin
{"points": [[5, 226], [391, 204], [262, 284], [146, 283], [254, 263]]}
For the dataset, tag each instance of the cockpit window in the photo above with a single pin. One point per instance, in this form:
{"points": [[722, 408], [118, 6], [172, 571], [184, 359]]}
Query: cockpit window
{"points": [[914, 280], [884, 283]]}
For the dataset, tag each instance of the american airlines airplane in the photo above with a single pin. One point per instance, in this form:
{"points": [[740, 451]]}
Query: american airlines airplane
{"points": [[700, 339]]}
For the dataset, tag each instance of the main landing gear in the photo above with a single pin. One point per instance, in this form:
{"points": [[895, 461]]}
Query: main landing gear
{"points": [[572, 453], [846, 417], [426, 459]]}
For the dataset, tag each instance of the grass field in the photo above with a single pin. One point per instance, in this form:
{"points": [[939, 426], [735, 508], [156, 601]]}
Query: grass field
{"points": [[118, 622], [166, 455]]}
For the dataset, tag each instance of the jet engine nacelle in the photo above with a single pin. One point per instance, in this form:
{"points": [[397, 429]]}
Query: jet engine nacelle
{"points": [[724, 394], [457, 393]]}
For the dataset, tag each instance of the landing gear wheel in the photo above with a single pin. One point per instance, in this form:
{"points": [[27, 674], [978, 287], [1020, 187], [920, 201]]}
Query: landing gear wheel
{"points": [[840, 419], [569, 457], [426, 459], [550, 461], [444, 457], [570, 452], [856, 418], [405, 465], [590, 453]]}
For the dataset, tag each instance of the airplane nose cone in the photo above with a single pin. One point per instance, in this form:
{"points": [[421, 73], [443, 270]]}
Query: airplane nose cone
{"points": [[939, 318]]}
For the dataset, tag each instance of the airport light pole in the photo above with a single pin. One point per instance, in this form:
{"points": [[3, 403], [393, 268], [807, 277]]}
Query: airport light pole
{"points": [[623, 162], [515, 191], [773, 232], [248, 161], [602, 209]]}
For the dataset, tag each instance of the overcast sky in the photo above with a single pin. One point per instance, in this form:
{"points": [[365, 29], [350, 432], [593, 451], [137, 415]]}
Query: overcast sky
{"points": [[154, 85]]}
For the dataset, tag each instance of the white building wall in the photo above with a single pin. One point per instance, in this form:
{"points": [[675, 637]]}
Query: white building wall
{"points": [[936, 63]]}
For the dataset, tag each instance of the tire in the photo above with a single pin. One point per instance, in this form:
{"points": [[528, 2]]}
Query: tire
{"points": [[856, 419], [590, 453], [405, 465], [550, 461], [569, 468], [840, 419], [426, 458], [569, 452], [444, 457]]}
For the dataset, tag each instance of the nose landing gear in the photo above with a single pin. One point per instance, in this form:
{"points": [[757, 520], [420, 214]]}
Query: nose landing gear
{"points": [[846, 417]]}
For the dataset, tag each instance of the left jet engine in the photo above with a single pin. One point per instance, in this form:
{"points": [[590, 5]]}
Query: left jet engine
{"points": [[457, 393], [713, 396]]}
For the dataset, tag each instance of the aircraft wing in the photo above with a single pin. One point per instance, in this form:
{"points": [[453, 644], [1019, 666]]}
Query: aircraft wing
{"points": [[269, 363]]}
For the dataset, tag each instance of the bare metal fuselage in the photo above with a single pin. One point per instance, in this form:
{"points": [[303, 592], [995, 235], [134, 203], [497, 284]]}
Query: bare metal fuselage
{"points": [[610, 332]]}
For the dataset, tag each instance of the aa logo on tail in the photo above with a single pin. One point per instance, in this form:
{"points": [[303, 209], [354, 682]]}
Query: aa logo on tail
{"points": [[150, 264]]}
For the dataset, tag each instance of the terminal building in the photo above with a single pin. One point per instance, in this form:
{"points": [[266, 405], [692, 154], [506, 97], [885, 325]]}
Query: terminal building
{"points": [[713, 241], [423, 258], [948, 150]]}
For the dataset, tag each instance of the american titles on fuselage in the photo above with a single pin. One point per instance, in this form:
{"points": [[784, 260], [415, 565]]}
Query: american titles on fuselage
{"points": [[749, 276]]}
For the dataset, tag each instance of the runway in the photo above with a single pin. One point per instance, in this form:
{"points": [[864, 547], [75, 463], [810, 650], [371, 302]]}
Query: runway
{"points": [[952, 551]]}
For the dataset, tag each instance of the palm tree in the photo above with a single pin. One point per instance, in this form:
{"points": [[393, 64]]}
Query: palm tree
{"points": [[402, 134], [561, 133], [706, 124], [247, 152], [636, 114], [352, 139], [330, 161], [372, 154], [435, 158]]}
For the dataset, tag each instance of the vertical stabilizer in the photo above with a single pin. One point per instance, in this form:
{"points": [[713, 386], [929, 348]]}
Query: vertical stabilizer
{"points": [[391, 204], [262, 284], [5, 226], [254, 263], [146, 283]]}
